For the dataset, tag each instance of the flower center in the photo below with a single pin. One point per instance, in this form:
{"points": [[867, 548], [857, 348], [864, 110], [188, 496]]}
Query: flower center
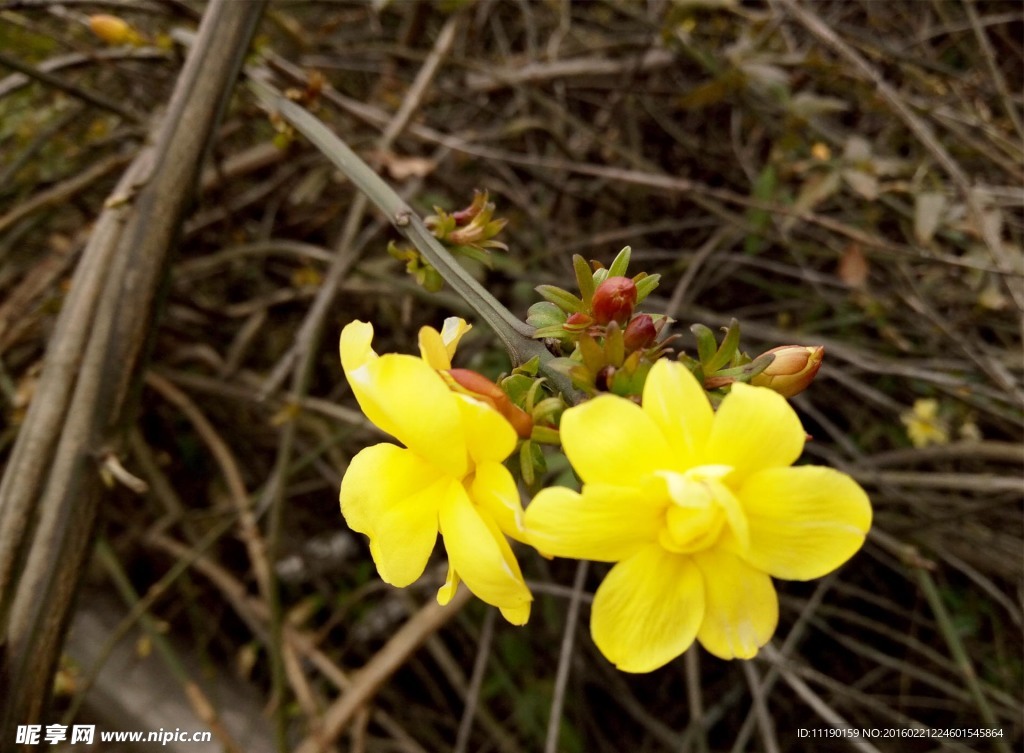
{"points": [[702, 505]]}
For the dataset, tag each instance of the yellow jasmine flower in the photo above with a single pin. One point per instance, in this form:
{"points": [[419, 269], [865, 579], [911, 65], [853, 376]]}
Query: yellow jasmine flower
{"points": [[447, 479], [700, 510], [924, 425]]}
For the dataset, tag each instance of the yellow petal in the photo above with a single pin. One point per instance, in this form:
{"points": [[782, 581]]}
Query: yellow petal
{"points": [[605, 523], [518, 615], [648, 610], [451, 585], [438, 348], [611, 440], [489, 435], [451, 333], [754, 428], [480, 554], [409, 400], [804, 521], [355, 345], [432, 349], [494, 490], [391, 495], [678, 404], [741, 610]]}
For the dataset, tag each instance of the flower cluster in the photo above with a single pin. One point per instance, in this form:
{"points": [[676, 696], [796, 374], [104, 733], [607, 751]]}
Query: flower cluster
{"points": [[689, 487], [448, 479]]}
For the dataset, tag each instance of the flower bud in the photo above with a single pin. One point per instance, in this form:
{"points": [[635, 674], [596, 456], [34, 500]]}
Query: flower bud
{"points": [[792, 370], [477, 385], [640, 333], [614, 300], [578, 322], [113, 30]]}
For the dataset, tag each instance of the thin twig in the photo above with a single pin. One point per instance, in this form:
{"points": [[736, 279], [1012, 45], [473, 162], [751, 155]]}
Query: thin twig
{"points": [[86, 95], [956, 648], [476, 681], [384, 663], [813, 23], [764, 719], [813, 700], [565, 655]]}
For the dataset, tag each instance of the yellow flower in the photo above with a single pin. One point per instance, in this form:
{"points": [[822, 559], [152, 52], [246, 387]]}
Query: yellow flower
{"points": [[699, 510], [924, 425], [448, 478]]}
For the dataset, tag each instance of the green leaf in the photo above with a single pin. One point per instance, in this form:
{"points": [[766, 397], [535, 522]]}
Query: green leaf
{"points": [[545, 314]]}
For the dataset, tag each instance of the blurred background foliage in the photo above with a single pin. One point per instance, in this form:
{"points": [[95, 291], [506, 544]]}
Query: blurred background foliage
{"points": [[846, 173]]}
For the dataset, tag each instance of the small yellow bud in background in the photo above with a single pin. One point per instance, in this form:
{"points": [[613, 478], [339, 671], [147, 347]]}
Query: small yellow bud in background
{"points": [[114, 30], [793, 369]]}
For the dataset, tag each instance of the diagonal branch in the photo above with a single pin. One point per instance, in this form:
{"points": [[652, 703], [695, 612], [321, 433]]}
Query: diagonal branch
{"points": [[514, 334]]}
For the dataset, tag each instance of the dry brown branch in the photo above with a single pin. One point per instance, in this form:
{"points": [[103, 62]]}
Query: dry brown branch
{"points": [[84, 392], [386, 662]]}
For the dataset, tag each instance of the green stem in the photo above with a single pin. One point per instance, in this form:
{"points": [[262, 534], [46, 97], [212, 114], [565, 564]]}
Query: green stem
{"points": [[960, 656], [514, 333]]}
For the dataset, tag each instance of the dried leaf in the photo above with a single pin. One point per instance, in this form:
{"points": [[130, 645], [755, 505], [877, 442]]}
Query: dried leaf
{"points": [[818, 187], [853, 267], [857, 149], [401, 168], [863, 183], [928, 210], [807, 105]]}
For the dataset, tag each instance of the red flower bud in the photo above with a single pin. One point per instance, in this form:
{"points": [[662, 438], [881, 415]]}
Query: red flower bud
{"points": [[793, 369], [614, 300], [640, 333], [477, 385], [578, 322]]}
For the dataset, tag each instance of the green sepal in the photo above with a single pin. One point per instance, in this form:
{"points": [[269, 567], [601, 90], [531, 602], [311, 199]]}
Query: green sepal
{"points": [[585, 280], [748, 371], [530, 368], [477, 254], [517, 387], [620, 263], [555, 330], [565, 300], [645, 286], [593, 354], [531, 395], [614, 345], [726, 351], [526, 468], [706, 344], [548, 410], [545, 435]]}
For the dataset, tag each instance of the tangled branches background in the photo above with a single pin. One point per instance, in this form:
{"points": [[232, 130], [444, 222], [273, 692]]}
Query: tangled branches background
{"points": [[839, 173]]}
